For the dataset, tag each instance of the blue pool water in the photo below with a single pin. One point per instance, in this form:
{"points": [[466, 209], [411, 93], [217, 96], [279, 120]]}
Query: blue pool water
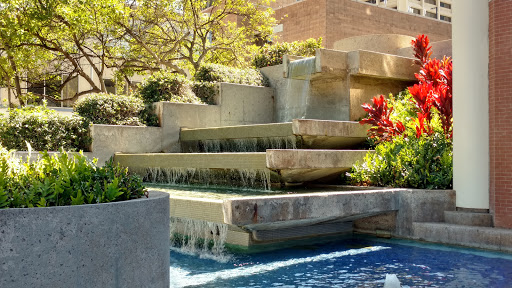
{"points": [[354, 262]]}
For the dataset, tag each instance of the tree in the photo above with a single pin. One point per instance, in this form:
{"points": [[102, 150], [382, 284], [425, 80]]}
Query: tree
{"points": [[61, 40], [180, 34]]}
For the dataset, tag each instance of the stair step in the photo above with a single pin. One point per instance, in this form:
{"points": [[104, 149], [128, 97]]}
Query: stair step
{"points": [[304, 133], [470, 236], [297, 165], [468, 218]]}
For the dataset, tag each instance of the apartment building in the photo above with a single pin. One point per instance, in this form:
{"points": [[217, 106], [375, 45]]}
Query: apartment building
{"points": [[436, 9], [334, 20]]}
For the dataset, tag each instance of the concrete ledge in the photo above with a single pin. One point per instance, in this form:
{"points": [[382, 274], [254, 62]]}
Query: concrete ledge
{"points": [[193, 160], [108, 139], [476, 237], [300, 165], [379, 65], [119, 244], [315, 134]]}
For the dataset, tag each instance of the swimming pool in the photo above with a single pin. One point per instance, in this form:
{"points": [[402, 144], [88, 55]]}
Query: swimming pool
{"points": [[347, 262]]}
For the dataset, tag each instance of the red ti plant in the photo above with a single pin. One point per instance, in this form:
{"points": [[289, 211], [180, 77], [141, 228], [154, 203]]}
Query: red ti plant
{"points": [[433, 91], [382, 127]]}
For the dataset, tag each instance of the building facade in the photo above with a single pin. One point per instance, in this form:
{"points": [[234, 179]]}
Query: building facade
{"points": [[334, 20]]}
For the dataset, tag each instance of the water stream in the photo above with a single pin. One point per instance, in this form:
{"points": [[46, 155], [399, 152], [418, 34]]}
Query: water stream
{"points": [[248, 178], [299, 68], [240, 145]]}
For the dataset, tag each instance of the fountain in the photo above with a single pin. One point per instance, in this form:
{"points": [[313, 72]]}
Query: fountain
{"points": [[301, 133]]}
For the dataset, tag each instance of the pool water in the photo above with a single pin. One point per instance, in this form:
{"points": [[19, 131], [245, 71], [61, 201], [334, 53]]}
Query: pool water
{"points": [[353, 262]]}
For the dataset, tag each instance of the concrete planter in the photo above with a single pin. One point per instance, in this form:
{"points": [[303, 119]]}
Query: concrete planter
{"points": [[119, 244]]}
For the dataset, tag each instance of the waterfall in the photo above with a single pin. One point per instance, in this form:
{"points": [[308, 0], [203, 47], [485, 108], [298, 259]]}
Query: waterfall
{"points": [[248, 178], [299, 68], [243, 144], [198, 237]]}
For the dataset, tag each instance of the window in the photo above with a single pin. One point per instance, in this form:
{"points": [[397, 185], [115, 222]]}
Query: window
{"points": [[433, 2], [446, 5], [431, 15], [446, 18], [414, 11], [371, 1]]}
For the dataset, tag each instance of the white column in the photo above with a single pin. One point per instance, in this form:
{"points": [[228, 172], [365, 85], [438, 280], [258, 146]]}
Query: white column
{"points": [[470, 41]]}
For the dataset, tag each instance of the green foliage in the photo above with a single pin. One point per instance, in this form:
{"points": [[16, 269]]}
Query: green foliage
{"points": [[205, 91], [110, 109], [270, 55], [166, 86], [220, 73], [424, 163], [63, 179], [44, 129]]}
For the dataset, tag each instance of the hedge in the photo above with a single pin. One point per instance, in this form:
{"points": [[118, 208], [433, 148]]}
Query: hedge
{"points": [[43, 129]]}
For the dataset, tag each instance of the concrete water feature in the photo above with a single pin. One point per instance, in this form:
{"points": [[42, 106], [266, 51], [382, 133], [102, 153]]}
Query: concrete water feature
{"points": [[294, 133]]}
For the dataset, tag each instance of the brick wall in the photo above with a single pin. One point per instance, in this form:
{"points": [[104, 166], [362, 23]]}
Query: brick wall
{"points": [[302, 20], [500, 111], [337, 19]]}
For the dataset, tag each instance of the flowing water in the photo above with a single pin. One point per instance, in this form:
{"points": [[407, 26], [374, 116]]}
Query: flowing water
{"points": [[249, 178], [354, 262], [303, 67], [240, 145]]}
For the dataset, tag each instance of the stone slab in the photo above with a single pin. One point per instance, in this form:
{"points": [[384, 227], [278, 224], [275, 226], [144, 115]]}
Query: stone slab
{"points": [[409, 205], [470, 236], [255, 160], [118, 244], [299, 165], [315, 134], [380, 65]]}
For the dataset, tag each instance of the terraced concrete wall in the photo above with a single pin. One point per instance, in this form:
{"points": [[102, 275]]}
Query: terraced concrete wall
{"points": [[120, 244]]}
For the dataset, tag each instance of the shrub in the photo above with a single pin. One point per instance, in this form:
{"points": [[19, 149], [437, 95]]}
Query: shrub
{"points": [[220, 73], [166, 86], [270, 55], [110, 109], [425, 111], [423, 163], [44, 129], [432, 98], [63, 179], [205, 91]]}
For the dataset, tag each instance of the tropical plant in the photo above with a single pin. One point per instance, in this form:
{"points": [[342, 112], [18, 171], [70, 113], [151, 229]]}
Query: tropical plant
{"points": [[63, 179], [432, 98]]}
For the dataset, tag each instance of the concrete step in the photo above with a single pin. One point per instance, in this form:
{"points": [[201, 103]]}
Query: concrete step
{"points": [[292, 166], [468, 218], [469, 236], [300, 133]]}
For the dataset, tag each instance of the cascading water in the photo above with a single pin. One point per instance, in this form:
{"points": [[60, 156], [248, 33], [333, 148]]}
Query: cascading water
{"points": [[248, 178], [198, 237], [299, 68], [243, 145]]}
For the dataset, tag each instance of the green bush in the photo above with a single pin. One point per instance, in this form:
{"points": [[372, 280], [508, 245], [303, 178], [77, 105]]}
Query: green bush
{"points": [[270, 55], [166, 86], [44, 129], [63, 179], [206, 91], [220, 73], [424, 163], [110, 109]]}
